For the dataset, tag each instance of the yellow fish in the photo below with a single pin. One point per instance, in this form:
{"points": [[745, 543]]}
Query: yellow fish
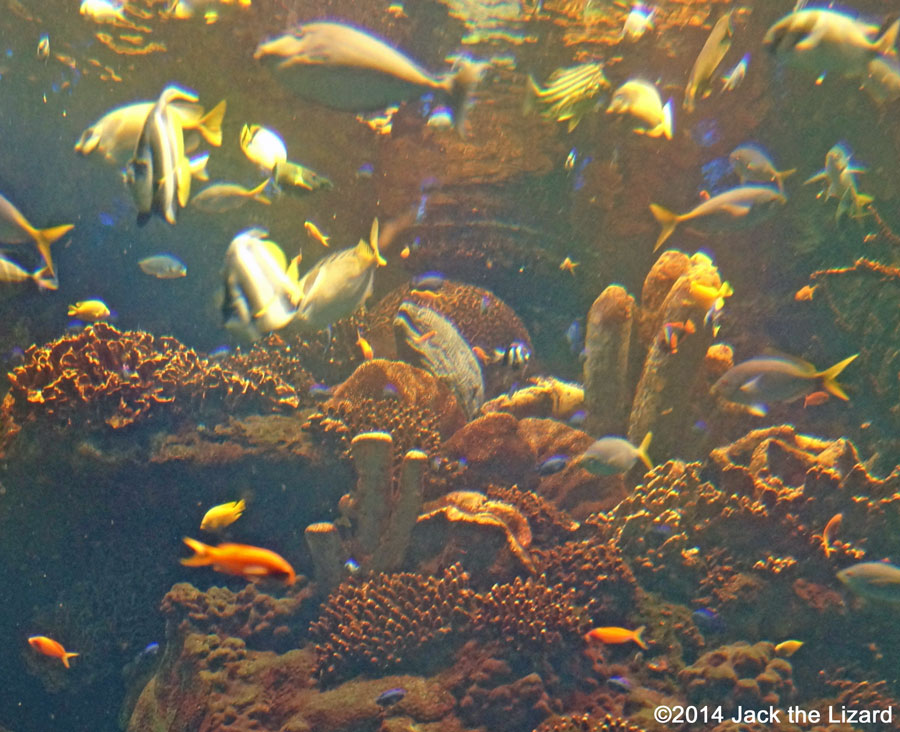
{"points": [[315, 233], [15, 229], [225, 514], [788, 648], [89, 310]]}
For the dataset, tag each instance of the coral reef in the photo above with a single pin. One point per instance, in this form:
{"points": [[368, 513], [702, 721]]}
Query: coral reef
{"points": [[548, 524], [587, 723]]}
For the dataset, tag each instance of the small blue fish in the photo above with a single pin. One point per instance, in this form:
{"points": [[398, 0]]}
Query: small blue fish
{"points": [[575, 336], [708, 620], [365, 170], [390, 392], [428, 281], [219, 352], [390, 697], [620, 684], [351, 565], [553, 465], [577, 419], [149, 651]]}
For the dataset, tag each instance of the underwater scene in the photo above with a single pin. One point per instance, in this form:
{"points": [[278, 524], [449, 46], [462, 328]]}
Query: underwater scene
{"points": [[449, 365]]}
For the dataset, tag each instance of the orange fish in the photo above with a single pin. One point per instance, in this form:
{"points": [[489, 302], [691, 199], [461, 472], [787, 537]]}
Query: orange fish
{"points": [[815, 399], [831, 528], [805, 293], [364, 346], [420, 339], [404, 253], [49, 647], [480, 354], [567, 265], [240, 559], [671, 330], [613, 635]]}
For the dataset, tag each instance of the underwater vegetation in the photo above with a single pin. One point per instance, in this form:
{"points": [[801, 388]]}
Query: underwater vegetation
{"points": [[449, 366]]}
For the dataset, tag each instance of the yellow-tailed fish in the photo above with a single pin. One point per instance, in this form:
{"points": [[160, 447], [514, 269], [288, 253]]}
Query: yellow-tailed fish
{"points": [[225, 514], [717, 44], [298, 178], [221, 197], [315, 232], [92, 310], [15, 229], [752, 165], [104, 11], [641, 100], [840, 179], [737, 208], [638, 22], [347, 68], [614, 455]]}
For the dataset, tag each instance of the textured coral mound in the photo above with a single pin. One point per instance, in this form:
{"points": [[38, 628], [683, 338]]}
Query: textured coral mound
{"points": [[385, 621], [739, 675], [106, 375], [587, 723], [548, 524], [275, 357]]}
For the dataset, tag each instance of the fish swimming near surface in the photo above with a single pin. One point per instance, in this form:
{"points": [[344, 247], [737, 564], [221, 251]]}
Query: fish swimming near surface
{"points": [[614, 635], [641, 100], [159, 174], [614, 455], [250, 562], [13, 273], [115, 135], [225, 514], [339, 284], [350, 69], [92, 310], [222, 197], [15, 229], [260, 296], [751, 164], [873, 580], [163, 266], [569, 94], [824, 40], [733, 209], [760, 381], [717, 44], [52, 648]]}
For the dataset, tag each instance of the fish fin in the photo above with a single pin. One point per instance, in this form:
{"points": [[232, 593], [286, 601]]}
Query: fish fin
{"points": [[642, 451], [884, 46], [198, 167], [736, 210], [821, 175], [257, 193], [750, 386], [373, 243], [44, 283], [183, 182], [201, 553], [65, 658], [460, 84], [811, 40], [639, 637], [239, 506], [293, 272], [829, 376], [43, 238], [667, 220], [210, 124], [758, 410], [780, 175]]}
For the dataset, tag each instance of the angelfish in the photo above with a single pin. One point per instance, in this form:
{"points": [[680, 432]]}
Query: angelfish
{"points": [[717, 44], [349, 69]]}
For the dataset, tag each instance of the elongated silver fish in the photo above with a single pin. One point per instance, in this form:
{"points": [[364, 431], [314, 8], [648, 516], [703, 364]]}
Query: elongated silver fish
{"points": [[717, 44], [752, 164], [873, 580], [347, 68], [738, 208]]}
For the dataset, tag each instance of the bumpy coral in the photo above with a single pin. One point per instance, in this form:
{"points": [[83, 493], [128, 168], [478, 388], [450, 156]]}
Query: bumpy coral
{"points": [[548, 524], [387, 620], [273, 357], [587, 723], [739, 674], [106, 375]]}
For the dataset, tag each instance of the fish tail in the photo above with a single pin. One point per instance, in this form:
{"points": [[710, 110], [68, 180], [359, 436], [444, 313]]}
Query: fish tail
{"points": [[667, 125], [821, 175], [461, 83], [240, 506], [642, 451], [532, 94], [781, 175], [44, 283], [210, 124], [198, 167], [201, 553], [257, 193], [43, 238], [885, 44], [667, 220], [66, 656], [639, 637], [373, 243], [829, 378], [183, 181]]}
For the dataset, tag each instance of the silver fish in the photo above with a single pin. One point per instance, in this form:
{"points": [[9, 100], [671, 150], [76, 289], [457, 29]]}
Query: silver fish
{"points": [[760, 381], [822, 40], [163, 266], [717, 44], [752, 164], [614, 455], [221, 197], [740, 207], [873, 580], [346, 68], [259, 295], [840, 179]]}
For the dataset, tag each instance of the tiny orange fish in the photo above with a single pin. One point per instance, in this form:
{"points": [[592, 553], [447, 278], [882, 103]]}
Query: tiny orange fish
{"points": [[242, 560], [815, 399], [805, 293], [613, 635], [364, 346], [480, 354], [404, 253], [50, 647], [831, 528], [671, 332], [420, 339], [427, 294], [567, 265]]}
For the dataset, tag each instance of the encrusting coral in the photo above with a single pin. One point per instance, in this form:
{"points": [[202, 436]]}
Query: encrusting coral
{"points": [[587, 723]]}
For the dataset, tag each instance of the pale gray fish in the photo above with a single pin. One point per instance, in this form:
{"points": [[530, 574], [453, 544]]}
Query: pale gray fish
{"points": [[752, 164], [839, 177], [717, 44], [12, 273], [882, 80], [873, 580], [641, 100], [347, 68], [163, 266], [614, 455], [259, 295], [821, 40], [222, 197], [733, 209], [444, 353], [339, 283], [759, 382]]}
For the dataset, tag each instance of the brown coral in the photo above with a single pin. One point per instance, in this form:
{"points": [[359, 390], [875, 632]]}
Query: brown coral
{"points": [[548, 524], [587, 723]]}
